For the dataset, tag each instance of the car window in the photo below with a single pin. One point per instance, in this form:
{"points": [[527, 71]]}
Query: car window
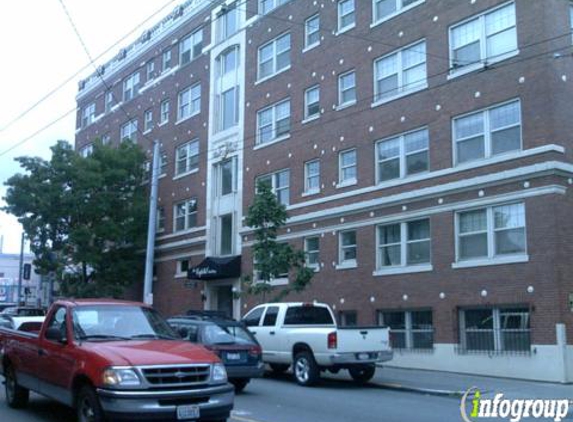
{"points": [[241, 334], [213, 334], [308, 315], [271, 316], [252, 318], [58, 320]]}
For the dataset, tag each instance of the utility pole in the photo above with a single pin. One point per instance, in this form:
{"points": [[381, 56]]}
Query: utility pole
{"points": [[151, 227], [21, 271]]}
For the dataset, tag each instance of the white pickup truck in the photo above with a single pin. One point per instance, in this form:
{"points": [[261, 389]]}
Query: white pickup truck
{"points": [[305, 336]]}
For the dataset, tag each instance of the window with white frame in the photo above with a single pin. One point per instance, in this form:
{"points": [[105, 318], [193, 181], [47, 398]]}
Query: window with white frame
{"points": [[273, 122], [265, 6], [410, 329], [312, 31], [486, 38], [227, 89], [402, 155], [187, 158], [148, 120], [164, 110], [312, 176], [109, 101], [347, 89], [185, 215], [486, 133], [88, 115], [227, 21], [347, 247], [189, 102], [160, 222], [131, 86], [150, 70], [347, 167], [183, 266], [311, 251], [279, 183], [165, 60], [226, 177], [404, 244], [384, 9], [346, 15], [401, 72], [226, 234], [347, 318], [312, 102], [492, 232], [129, 131], [503, 329], [106, 139], [163, 163], [190, 47], [274, 56], [87, 150]]}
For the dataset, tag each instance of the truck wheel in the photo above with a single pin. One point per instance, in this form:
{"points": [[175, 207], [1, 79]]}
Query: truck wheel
{"points": [[88, 408], [17, 397], [279, 368], [362, 373], [306, 371], [240, 384]]}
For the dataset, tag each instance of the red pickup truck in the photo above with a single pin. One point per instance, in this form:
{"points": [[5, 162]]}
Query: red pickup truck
{"points": [[114, 359]]}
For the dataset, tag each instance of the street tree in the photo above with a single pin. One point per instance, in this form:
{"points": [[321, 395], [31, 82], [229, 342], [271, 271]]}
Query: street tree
{"points": [[85, 217]]}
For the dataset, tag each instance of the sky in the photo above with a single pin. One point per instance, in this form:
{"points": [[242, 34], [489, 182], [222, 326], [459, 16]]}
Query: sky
{"points": [[40, 51]]}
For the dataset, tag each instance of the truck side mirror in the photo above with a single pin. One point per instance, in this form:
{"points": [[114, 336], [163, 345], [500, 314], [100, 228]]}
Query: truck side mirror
{"points": [[55, 334], [183, 332]]}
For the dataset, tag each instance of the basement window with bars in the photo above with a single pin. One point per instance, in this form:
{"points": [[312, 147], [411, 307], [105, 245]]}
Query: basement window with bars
{"points": [[409, 330], [495, 330]]}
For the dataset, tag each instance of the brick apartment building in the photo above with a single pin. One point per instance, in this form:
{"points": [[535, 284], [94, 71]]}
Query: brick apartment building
{"points": [[422, 147]]}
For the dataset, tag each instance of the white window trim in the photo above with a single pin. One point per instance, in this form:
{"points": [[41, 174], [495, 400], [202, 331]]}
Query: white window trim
{"points": [[218, 245], [187, 145], [314, 191], [272, 107], [398, 12], [308, 47], [186, 224], [315, 267], [487, 133], [191, 36], [346, 182], [341, 30], [275, 72], [274, 176], [341, 105], [275, 6], [191, 100], [404, 267], [178, 272], [315, 116], [350, 263]]}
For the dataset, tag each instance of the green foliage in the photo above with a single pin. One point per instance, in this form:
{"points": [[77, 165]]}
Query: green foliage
{"points": [[85, 218], [267, 216]]}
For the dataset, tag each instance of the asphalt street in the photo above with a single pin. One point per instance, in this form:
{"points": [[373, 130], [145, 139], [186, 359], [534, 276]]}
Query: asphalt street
{"points": [[279, 399]]}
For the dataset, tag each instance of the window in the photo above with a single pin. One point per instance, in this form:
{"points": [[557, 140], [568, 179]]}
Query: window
{"points": [[489, 37], [106, 139], [401, 72], [312, 176], [226, 234], [387, 8], [347, 89], [227, 21], [347, 167], [163, 164], [189, 102], [160, 222], [187, 158], [491, 232], [253, 318], [347, 248], [312, 102], [164, 118], [346, 15], [312, 32], [409, 329], [148, 121], [274, 56], [271, 315], [227, 89], [130, 86], [129, 131], [88, 115], [182, 267], [166, 60], [87, 150], [486, 133], [185, 215], [190, 47], [279, 182], [495, 329], [150, 70], [273, 122], [226, 175], [265, 6], [308, 315], [311, 251], [404, 244], [347, 319], [109, 101], [402, 156], [58, 320]]}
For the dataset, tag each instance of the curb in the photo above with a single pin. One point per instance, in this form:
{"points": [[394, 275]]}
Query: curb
{"points": [[419, 390]]}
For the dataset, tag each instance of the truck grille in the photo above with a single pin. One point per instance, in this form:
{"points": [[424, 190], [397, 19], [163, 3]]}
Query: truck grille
{"points": [[163, 376]]}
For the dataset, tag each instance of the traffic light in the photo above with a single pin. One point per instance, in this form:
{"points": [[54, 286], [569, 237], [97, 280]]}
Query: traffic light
{"points": [[27, 271]]}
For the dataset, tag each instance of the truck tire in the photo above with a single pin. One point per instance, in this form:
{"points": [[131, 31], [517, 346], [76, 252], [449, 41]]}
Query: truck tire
{"points": [[305, 369], [17, 397], [279, 368], [240, 384], [362, 373], [88, 407]]}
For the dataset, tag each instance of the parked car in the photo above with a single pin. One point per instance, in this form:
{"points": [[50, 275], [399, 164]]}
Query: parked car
{"points": [[4, 305], [230, 340], [114, 359], [15, 322], [24, 311], [305, 336]]}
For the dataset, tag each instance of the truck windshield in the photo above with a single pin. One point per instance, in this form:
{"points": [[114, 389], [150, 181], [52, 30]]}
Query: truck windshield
{"points": [[119, 322]]}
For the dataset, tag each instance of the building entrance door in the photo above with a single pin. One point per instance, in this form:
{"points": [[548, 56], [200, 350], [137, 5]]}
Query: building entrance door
{"points": [[225, 300]]}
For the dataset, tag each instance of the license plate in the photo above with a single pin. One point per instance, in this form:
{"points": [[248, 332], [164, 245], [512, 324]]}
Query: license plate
{"points": [[233, 356], [363, 356], [186, 412]]}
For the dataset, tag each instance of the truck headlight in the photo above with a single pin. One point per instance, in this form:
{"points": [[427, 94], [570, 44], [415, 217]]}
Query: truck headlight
{"points": [[218, 373], [120, 377]]}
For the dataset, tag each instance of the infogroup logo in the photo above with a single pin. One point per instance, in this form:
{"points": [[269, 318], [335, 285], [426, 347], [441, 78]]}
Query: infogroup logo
{"points": [[512, 409]]}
